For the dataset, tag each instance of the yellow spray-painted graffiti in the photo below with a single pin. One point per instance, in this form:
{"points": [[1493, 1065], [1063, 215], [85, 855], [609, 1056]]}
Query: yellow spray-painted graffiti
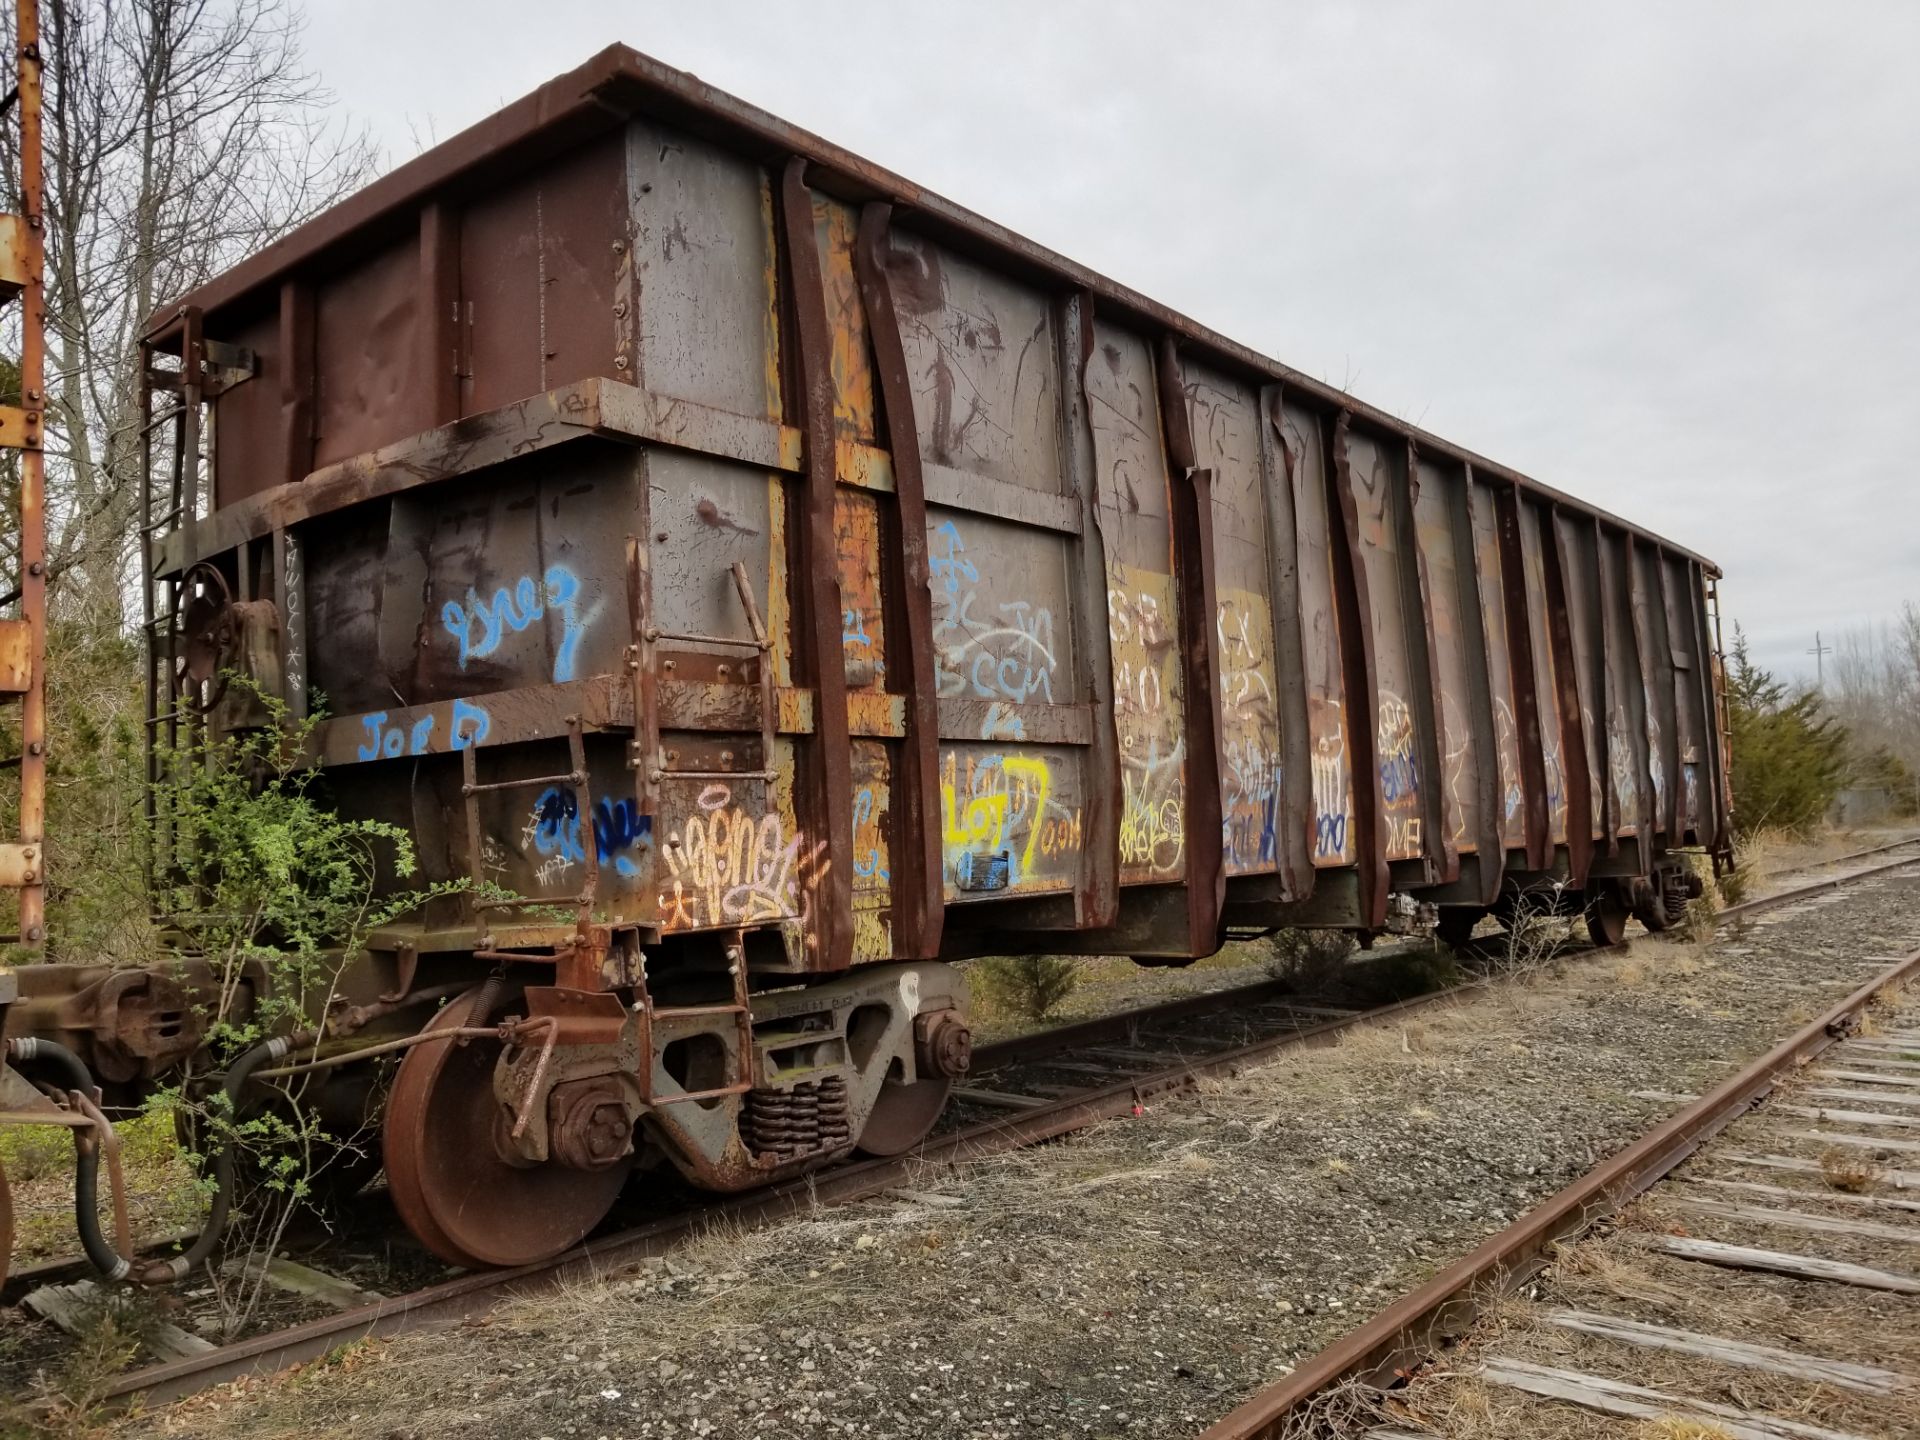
{"points": [[981, 821]]}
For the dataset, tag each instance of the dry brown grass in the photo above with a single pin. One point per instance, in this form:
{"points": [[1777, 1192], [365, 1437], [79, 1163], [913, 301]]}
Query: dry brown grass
{"points": [[1850, 1171], [1674, 1427]]}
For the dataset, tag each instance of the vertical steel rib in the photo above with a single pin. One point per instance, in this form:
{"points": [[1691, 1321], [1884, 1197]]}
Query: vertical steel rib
{"points": [[830, 769], [919, 894]]}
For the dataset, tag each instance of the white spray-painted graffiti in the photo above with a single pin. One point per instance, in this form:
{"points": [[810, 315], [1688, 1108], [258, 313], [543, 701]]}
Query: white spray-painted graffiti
{"points": [[1250, 735], [1010, 656], [728, 866]]}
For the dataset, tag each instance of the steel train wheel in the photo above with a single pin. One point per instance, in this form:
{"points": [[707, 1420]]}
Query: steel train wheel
{"points": [[1607, 917], [903, 1115], [455, 1193]]}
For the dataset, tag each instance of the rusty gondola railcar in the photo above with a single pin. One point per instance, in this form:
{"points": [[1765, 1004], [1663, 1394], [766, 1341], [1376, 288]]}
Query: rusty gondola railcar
{"points": [[766, 581]]}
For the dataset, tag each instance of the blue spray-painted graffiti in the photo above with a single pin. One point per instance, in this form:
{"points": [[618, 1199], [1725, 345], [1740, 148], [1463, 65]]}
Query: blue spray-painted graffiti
{"points": [[467, 714], [553, 831], [867, 866], [514, 611], [386, 742], [618, 824]]}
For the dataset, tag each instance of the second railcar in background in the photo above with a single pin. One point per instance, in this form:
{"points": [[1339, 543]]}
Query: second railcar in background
{"points": [[763, 581]]}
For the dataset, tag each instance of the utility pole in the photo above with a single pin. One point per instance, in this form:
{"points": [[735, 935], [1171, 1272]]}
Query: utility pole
{"points": [[1819, 653]]}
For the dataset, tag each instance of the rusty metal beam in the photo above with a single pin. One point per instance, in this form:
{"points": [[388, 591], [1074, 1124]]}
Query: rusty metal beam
{"points": [[828, 770], [1194, 579], [919, 891], [1360, 715]]}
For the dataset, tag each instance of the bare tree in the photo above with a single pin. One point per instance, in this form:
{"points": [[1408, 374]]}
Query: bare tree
{"points": [[181, 135], [1874, 688]]}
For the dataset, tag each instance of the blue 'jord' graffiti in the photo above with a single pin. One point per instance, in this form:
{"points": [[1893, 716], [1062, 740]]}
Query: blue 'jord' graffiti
{"points": [[514, 611]]}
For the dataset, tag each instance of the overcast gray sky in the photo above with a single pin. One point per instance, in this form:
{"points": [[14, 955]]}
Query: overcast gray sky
{"points": [[1665, 256]]}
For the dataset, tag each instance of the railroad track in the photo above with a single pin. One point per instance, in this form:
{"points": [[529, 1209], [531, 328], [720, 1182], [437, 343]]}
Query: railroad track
{"points": [[1863, 1083], [1020, 1092]]}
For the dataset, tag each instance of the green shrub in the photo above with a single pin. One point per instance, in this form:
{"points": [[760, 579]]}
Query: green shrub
{"points": [[1789, 759], [1029, 986], [1308, 960]]}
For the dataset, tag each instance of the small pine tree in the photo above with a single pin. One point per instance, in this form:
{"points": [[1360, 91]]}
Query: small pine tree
{"points": [[1028, 986], [1789, 758]]}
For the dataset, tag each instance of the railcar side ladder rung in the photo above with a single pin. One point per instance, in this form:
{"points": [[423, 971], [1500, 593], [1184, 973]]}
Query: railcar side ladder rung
{"points": [[472, 789]]}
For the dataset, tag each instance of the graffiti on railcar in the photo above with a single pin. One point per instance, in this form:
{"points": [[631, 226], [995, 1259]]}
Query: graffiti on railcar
{"points": [[856, 531], [555, 831], [480, 624], [872, 802], [1250, 734], [1620, 765], [986, 649], [1513, 799], [729, 865], [1399, 778], [468, 725], [1556, 789], [1143, 633], [1007, 808], [1459, 739]]}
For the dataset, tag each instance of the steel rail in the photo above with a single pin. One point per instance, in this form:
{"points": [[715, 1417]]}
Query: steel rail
{"points": [[1404, 1336], [1746, 909], [1840, 859], [467, 1295]]}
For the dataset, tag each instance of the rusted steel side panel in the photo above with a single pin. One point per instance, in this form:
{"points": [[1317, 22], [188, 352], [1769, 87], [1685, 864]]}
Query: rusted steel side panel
{"points": [[1630, 777], [1296, 820], [1714, 826], [1458, 659], [1525, 664], [1097, 899], [1360, 674], [1544, 618], [439, 357], [251, 456], [1580, 570], [977, 371], [1691, 706], [918, 886], [1143, 621], [1197, 581], [1378, 472], [1483, 513], [542, 263], [1333, 842], [1576, 776], [1225, 419], [1656, 666], [366, 354], [1438, 823]]}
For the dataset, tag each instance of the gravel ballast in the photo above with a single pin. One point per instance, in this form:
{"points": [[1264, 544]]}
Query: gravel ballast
{"points": [[1138, 1279]]}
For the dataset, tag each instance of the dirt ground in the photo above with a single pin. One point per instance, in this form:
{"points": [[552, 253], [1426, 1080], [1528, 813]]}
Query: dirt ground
{"points": [[1138, 1279]]}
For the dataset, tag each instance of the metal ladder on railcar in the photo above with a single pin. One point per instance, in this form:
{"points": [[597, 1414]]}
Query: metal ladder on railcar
{"points": [[23, 634], [655, 768]]}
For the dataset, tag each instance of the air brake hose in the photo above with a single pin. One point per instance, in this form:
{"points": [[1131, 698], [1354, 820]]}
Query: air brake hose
{"points": [[167, 1272], [27, 1050]]}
